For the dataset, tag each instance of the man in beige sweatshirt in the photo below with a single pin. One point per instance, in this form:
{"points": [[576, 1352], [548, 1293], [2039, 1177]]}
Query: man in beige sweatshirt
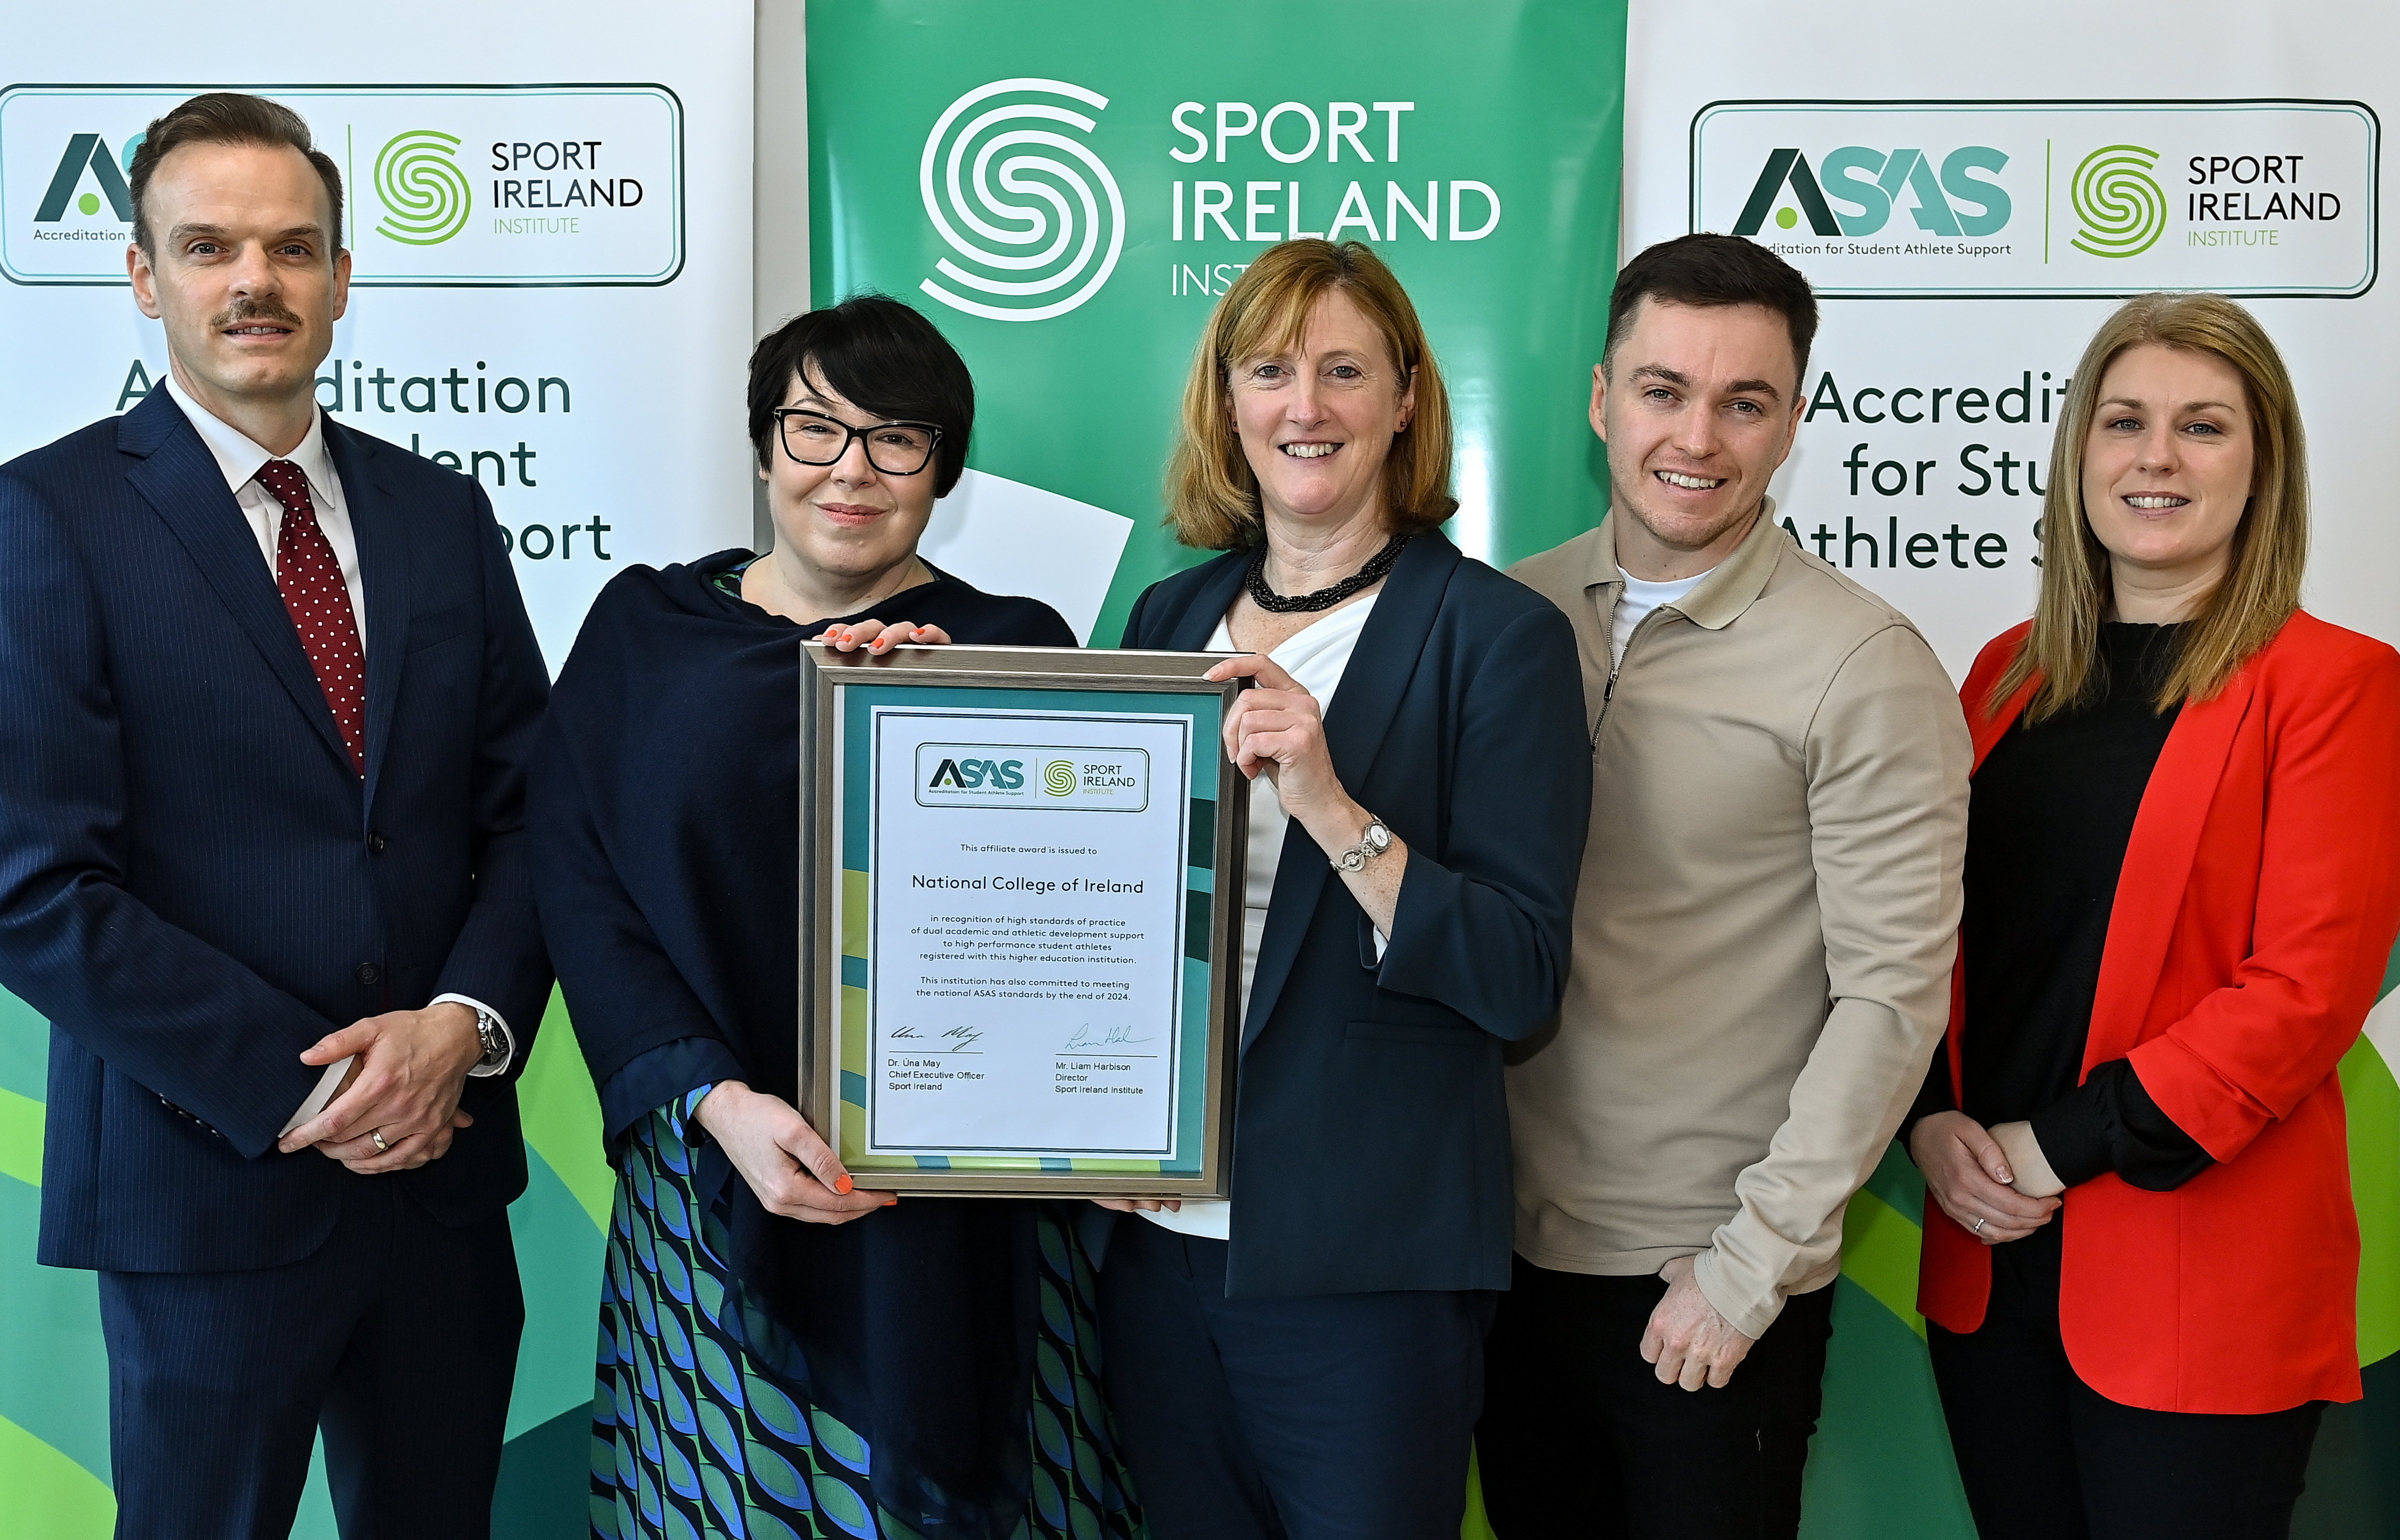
{"points": [[1763, 936]]}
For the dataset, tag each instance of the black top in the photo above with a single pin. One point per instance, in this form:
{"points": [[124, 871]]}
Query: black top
{"points": [[2051, 813], [664, 814]]}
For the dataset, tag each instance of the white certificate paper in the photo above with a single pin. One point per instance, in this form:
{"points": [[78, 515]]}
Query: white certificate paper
{"points": [[1025, 945]]}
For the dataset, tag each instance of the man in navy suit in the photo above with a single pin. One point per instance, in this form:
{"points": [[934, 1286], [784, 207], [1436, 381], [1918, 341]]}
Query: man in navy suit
{"points": [[267, 692]]}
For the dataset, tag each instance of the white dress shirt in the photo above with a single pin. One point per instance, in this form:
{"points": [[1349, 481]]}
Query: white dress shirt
{"points": [[1315, 658], [239, 459]]}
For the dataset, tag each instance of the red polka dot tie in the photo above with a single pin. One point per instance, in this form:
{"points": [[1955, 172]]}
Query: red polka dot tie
{"points": [[310, 580]]}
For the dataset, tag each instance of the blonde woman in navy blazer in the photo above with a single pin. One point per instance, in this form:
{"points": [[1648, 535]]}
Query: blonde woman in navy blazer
{"points": [[1316, 1372]]}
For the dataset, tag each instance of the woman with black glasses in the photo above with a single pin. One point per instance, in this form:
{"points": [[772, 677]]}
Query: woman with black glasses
{"points": [[783, 1353]]}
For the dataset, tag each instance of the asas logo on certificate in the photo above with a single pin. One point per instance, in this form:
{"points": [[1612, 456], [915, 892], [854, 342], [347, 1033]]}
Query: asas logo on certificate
{"points": [[1015, 775]]}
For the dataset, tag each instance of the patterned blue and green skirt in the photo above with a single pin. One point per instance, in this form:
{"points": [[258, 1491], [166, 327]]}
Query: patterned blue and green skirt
{"points": [[692, 1440]]}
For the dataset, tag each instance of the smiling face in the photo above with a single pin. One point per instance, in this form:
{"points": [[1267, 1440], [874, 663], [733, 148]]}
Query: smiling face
{"points": [[1316, 420], [846, 523], [2168, 466], [247, 276], [1698, 404]]}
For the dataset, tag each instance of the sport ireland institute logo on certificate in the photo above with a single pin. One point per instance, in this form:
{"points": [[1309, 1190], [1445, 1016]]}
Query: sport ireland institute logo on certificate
{"points": [[1910, 199], [447, 186], [1033, 215]]}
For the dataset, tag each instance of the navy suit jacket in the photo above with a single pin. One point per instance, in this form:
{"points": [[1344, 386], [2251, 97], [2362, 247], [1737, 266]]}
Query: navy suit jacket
{"points": [[1371, 1144], [194, 886]]}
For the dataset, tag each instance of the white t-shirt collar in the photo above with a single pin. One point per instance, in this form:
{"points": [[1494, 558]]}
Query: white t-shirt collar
{"points": [[1636, 599]]}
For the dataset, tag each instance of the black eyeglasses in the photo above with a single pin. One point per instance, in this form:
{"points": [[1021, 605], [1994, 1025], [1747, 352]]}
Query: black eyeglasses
{"points": [[894, 448]]}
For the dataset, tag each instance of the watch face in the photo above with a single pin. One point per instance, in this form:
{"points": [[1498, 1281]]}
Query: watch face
{"points": [[1379, 837]]}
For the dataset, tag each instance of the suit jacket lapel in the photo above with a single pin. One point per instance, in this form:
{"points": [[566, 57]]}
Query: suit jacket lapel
{"points": [[376, 523], [176, 473], [1356, 724], [2158, 865], [1190, 631], [1386, 655]]}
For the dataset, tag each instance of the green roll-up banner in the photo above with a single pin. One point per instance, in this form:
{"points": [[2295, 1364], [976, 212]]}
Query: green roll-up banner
{"points": [[1065, 187]]}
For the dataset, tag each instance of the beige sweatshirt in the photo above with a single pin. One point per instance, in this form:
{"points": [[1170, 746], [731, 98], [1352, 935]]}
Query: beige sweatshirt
{"points": [[1765, 929]]}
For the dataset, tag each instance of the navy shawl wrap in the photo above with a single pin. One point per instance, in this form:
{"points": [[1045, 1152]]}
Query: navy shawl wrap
{"points": [[664, 810]]}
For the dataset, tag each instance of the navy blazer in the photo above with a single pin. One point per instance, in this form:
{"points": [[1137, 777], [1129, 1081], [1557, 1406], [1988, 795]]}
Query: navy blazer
{"points": [[1371, 1144], [194, 886]]}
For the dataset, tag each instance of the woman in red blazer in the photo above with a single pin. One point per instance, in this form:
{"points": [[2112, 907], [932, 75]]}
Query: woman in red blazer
{"points": [[2183, 882]]}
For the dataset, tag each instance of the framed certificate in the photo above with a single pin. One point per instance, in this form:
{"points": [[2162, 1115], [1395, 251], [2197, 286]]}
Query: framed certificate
{"points": [[1021, 903]]}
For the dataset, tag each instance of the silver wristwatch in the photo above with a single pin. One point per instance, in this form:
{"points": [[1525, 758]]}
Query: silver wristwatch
{"points": [[1374, 842], [494, 1042]]}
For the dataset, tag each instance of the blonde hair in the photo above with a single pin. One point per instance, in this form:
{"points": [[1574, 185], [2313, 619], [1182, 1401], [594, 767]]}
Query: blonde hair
{"points": [[2261, 587], [1212, 495]]}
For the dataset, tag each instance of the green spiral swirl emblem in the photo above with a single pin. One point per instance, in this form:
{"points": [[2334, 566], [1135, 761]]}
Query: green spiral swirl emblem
{"points": [[1058, 778], [424, 194], [2122, 209]]}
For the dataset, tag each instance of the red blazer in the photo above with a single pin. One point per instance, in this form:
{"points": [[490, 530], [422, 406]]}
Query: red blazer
{"points": [[2254, 917]]}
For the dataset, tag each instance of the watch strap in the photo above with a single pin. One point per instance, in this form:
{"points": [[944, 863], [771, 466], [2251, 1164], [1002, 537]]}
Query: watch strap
{"points": [[1366, 849], [492, 1034]]}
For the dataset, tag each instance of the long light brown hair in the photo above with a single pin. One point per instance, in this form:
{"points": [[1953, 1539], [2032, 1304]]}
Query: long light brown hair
{"points": [[1212, 495], [2261, 587]]}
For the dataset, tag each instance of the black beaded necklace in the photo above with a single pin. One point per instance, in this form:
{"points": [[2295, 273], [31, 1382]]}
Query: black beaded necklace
{"points": [[1255, 581]]}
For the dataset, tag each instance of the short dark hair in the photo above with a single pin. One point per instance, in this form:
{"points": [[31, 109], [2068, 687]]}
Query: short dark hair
{"points": [[1710, 269], [882, 357], [229, 117]]}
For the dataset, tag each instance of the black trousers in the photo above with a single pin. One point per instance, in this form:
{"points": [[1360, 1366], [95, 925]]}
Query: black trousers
{"points": [[2044, 1456], [397, 1338], [1333, 1417], [1580, 1441]]}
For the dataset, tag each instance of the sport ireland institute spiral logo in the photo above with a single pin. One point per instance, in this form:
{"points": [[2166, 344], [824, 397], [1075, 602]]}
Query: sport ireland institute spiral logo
{"points": [[2122, 210], [426, 198], [1034, 216], [1058, 778]]}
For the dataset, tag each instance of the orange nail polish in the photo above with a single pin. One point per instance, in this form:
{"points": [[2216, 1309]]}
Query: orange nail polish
{"points": [[842, 1184], [889, 1201]]}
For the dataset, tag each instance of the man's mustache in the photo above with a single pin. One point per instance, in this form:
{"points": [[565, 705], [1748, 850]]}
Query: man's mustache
{"points": [[243, 312]]}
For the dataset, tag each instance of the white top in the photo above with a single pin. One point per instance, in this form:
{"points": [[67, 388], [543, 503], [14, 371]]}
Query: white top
{"points": [[239, 459], [1636, 600], [1315, 658]]}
